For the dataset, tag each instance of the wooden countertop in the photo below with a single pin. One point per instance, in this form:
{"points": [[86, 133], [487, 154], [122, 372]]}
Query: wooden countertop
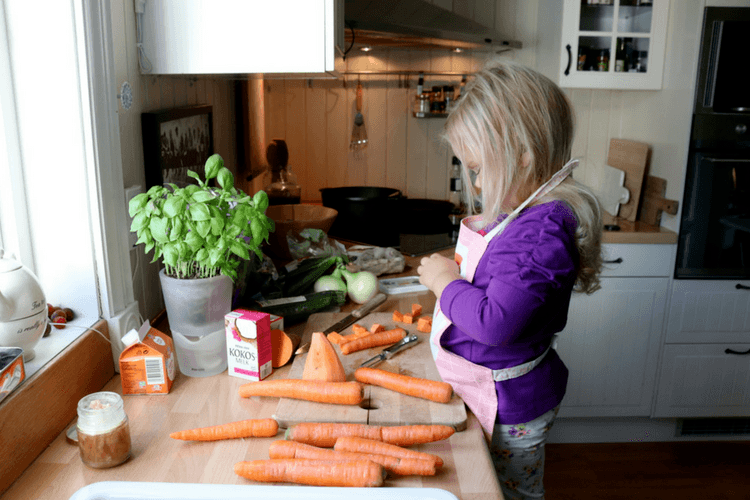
{"points": [[636, 232]]}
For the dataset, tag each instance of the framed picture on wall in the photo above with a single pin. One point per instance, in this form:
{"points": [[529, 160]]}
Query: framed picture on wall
{"points": [[175, 141]]}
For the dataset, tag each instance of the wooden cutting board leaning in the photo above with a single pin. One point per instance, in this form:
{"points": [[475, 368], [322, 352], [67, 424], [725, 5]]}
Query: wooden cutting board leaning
{"points": [[630, 156], [380, 406], [654, 202]]}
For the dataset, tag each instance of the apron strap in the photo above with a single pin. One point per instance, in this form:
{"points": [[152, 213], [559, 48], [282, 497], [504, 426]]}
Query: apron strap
{"points": [[545, 188], [523, 369]]}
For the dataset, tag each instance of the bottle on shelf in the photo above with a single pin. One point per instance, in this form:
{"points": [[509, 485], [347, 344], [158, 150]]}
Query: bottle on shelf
{"points": [[455, 194], [621, 58]]}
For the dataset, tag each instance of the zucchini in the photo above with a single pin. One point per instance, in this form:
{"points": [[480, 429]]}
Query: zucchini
{"points": [[294, 309], [303, 277]]}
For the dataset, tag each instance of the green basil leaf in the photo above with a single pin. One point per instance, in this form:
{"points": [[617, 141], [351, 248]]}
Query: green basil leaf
{"points": [[225, 178], [194, 240], [239, 250], [202, 196], [137, 203], [217, 226], [203, 227], [174, 206], [194, 175], [201, 255], [214, 163], [139, 222], [214, 255], [170, 254], [158, 228], [199, 212]]}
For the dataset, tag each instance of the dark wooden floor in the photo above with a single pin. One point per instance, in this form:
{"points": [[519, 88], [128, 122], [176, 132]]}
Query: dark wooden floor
{"points": [[648, 471]]}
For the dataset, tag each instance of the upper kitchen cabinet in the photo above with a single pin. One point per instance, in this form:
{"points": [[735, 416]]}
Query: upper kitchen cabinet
{"points": [[603, 44], [241, 39]]}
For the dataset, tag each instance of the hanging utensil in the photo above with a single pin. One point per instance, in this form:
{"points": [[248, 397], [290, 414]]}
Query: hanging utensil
{"points": [[359, 133]]}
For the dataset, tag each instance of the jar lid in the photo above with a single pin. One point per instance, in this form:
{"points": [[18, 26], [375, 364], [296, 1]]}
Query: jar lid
{"points": [[9, 263]]}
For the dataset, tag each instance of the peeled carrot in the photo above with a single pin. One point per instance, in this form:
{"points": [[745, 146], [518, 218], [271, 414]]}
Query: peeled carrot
{"points": [[416, 310], [408, 318], [397, 316], [262, 427], [362, 473], [359, 329], [335, 337], [374, 340], [363, 445], [397, 465], [440, 392], [282, 348], [320, 391], [424, 324], [407, 435], [325, 434]]}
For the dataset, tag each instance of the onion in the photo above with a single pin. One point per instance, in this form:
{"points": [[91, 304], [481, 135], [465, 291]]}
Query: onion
{"points": [[362, 286], [326, 283]]}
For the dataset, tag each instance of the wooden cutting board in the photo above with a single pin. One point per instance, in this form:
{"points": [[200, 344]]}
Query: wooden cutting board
{"points": [[381, 406], [630, 156], [654, 202]]}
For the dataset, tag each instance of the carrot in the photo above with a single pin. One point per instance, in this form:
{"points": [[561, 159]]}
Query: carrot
{"points": [[322, 362], [397, 316], [362, 473], [406, 435], [440, 392], [374, 340], [363, 445], [359, 330], [335, 337], [416, 310], [424, 324], [376, 328], [397, 465], [320, 391], [282, 348], [408, 318], [261, 427], [325, 434]]}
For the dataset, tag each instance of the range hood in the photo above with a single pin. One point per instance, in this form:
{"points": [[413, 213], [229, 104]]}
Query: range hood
{"points": [[417, 24]]}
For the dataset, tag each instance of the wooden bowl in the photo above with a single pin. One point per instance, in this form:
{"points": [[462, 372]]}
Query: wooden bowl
{"points": [[296, 217]]}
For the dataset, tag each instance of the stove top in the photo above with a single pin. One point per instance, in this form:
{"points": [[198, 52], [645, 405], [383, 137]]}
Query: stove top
{"points": [[414, 245]]}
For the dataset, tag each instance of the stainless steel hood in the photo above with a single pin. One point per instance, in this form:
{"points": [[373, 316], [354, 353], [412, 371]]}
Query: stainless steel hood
{"points": [[417, 24]]}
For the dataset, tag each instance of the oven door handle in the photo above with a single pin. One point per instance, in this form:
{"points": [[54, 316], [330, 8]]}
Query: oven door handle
{"points": [[740, 353], [740, 286]]}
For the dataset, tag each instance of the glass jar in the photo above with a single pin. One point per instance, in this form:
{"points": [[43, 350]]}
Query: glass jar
{"points": [[103, 430]]}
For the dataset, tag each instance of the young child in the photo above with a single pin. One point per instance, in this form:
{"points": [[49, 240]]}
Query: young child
{"points": [[506, 295]]}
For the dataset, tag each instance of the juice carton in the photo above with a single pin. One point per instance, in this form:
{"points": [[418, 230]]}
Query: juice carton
{"points": [[147, 364], [249, 346]]}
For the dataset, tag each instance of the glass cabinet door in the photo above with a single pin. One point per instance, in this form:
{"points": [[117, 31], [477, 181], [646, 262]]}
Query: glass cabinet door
{"points": [[611, 43]]}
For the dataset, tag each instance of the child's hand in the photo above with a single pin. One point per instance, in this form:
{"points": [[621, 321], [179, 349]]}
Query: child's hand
{"points": [[436, 271]]}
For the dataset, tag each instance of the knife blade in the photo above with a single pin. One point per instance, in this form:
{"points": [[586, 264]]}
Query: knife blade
{"points": [[388, 353], [350, 318]]}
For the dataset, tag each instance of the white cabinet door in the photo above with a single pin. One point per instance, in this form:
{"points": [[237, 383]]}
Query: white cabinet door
{"points": [[704, 380], [604, 44], [226, 37], [610, 345]]}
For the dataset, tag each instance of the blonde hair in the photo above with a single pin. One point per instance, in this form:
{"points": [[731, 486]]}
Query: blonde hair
{"points": [[518, 126]]}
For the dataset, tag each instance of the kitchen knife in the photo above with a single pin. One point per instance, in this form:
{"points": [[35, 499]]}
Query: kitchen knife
{"points": [[407, 341], [355, 315]]}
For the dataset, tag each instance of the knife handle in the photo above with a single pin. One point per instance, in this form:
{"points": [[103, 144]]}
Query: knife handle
{"points": [[368, 306]]}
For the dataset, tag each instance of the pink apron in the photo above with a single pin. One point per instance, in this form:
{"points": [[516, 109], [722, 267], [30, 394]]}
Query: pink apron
{"points": [[475, 384]]}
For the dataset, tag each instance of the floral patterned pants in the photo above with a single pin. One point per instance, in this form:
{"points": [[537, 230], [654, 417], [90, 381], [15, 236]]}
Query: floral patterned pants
{"points": [[518, 454]]}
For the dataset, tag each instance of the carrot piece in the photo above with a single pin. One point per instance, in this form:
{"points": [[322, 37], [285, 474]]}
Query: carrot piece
{"points": [[406, 435], [364, 445], [440, 392], [376, 328], [408, 318], [260, 427], [324, 434], [281, 348], [374, 340], [359, 329], [335, 337], [320, 391], [416, 310], [322, 362], [362, 473], [397, 465], [424, 324], [398, 317]]}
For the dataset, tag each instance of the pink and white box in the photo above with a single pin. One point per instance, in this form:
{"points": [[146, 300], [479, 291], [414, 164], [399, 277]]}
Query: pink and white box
{"points": [[249, 348]]}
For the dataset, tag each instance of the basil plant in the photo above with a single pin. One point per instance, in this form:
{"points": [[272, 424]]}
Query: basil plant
{"points": [[201, 231]]}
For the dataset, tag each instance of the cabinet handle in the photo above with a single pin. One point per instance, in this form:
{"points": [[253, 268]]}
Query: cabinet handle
{"points": [[740, 286], [570, 59], [618, 260], [732, 351]]}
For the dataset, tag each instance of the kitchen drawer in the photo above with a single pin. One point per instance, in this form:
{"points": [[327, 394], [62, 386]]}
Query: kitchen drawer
{"points": [[636, 260], [704, 381], [709, 312]]}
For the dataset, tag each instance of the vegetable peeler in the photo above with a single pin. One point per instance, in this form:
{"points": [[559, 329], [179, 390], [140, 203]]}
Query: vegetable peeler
{"points": [[407, 341]]}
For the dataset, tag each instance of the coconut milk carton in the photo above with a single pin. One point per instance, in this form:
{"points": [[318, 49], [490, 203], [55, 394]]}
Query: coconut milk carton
{"points": [[249, 346]]}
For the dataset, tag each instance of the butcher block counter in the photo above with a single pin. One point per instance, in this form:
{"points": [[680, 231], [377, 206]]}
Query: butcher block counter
{"points": [[197, 402]]}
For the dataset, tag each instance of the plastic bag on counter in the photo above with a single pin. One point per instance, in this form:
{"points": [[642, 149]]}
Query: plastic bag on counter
{"points": [[312, 243], [377, 260]]}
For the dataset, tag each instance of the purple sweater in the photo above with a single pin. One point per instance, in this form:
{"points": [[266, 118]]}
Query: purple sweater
{"points": [[519, 299]]}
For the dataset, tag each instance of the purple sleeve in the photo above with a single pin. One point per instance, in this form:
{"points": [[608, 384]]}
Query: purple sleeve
{"points": [[522, 268]]}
